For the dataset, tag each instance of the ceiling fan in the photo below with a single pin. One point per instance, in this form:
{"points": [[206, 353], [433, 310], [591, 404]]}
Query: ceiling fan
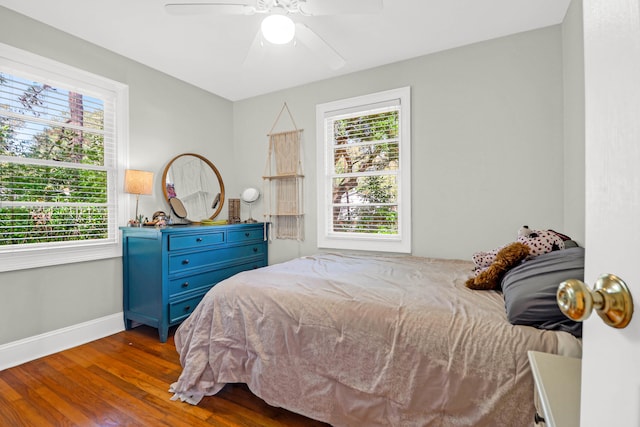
{"points": [[277, 27]]}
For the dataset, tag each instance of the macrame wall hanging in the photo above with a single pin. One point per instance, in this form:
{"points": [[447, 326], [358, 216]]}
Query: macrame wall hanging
{"points": [[283, 182]]}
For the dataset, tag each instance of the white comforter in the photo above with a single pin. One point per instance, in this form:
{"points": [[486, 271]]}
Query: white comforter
{"points": [[364, 341]]}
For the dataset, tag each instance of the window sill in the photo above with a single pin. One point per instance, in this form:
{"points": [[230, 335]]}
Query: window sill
{"points": [[44, 257]]}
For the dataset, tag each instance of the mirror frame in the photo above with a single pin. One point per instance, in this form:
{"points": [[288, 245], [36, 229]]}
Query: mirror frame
{"points": [[208, 162]]}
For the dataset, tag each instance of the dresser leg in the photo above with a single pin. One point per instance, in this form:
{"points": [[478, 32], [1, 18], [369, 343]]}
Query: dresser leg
{"points": [[163, 332]]}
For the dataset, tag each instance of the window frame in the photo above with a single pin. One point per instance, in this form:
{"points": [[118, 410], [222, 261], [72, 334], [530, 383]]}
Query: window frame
{"points": [[400, 243], [47, 254]]}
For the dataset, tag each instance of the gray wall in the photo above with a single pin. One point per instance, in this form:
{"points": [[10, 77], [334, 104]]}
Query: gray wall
{"points": [[574, 122], [167, 117], [487, 141], [488, 153]]}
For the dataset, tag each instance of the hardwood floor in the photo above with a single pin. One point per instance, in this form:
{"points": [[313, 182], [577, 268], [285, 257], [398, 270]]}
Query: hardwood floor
{"points": [[123, 380]]}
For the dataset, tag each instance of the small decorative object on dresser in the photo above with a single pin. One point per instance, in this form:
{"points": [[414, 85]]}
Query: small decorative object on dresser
{"points": [[167, 271], [234, 211]]}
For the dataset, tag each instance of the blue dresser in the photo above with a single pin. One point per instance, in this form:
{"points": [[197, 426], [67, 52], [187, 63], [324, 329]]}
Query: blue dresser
{"points": [[167, 271]]}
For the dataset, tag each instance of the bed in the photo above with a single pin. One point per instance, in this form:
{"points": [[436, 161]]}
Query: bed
{"points": [[366, 341]]}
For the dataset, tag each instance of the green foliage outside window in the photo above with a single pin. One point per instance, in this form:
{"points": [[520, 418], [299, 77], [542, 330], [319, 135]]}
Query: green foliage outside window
{"points": [[53, 186], [366, 154]]}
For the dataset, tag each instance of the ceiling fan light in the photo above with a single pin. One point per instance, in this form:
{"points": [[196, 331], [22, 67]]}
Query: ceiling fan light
{"points": [[278, 29]]}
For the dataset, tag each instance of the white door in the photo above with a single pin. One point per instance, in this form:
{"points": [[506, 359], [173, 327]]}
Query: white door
{"points": [[611, 357]]}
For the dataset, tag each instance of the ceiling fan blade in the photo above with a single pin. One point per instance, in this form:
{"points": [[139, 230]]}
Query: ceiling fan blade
{"points": [[219, 8], [318, 46], [255, 54], [340, 7]]}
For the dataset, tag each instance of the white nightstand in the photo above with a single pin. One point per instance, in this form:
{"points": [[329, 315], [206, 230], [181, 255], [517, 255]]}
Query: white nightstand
{"points": [[557, 381]]}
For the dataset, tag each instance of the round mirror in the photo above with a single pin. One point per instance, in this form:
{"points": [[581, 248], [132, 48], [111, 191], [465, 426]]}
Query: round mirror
{"points": [[196, 185], [249, 196]]}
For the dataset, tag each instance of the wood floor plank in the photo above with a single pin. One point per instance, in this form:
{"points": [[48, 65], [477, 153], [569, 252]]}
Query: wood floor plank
{"points": [[154, 411], [8, 392], [18, 413], [154, 366], [85, 356], [57, 378], [26, 385], [121, 399], [123, 380], [70, 409]]}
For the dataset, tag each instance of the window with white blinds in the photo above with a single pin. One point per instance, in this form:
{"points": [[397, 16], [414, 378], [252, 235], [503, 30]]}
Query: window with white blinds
{"points": [[58, 162], [364, 172]]}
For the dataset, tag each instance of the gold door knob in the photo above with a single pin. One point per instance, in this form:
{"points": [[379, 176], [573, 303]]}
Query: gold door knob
{"points": [[610, 297]]}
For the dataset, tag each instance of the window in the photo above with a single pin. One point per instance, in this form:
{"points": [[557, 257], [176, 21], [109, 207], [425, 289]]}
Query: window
{"points": [[364, 172], [62, 139]]}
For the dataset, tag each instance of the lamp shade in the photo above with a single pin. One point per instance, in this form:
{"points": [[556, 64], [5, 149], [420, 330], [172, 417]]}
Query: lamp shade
{"points": [[138, 182], [278, 29]]}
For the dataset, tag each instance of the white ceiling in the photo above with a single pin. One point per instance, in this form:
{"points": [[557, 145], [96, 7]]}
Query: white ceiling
{"points": [[208, 51]]}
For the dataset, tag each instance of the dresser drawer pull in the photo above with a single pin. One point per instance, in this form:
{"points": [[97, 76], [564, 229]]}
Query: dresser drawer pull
{"points": [[247, 234], [185, 261], [187, 307], [255, 249], [185, 285], [199, 239]]}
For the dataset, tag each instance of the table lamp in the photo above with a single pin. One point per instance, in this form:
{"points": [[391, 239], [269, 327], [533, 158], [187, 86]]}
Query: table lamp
{"points": [[138, 182]]}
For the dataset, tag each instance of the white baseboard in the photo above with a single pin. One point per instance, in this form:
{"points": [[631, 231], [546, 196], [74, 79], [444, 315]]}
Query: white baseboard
{"points": [[27, 349]]}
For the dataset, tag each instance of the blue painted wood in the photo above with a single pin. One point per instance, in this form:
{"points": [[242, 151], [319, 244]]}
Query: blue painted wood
{"points": [[167, 271]]}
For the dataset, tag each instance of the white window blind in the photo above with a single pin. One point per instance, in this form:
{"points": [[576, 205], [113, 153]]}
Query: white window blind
{"points": [[58, 160], [365, 173]]}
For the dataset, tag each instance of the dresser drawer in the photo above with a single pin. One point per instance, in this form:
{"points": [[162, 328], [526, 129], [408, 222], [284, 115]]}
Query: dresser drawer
{"points": [[256, 233], [204, 280], [195, 260], [180, 310], [191, 241]]}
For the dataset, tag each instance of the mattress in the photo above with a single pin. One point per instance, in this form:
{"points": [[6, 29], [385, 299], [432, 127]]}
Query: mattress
{"points": [[366, 340]]}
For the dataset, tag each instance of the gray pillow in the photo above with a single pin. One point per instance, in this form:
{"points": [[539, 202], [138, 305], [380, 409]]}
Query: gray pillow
{"points": [[530, 290], [570, 244]]}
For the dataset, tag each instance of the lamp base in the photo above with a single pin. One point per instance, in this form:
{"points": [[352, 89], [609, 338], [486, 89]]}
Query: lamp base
{"points": [[137, 220]]}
